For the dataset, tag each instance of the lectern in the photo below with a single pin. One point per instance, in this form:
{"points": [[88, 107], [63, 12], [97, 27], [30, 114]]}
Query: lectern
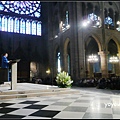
{"points": [[14, 73]]}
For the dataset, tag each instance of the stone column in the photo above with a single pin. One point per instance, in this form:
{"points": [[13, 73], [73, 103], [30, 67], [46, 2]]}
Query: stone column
{"points": [[91, 74], [65, 62], [88, 69], [118, 66], [104, 64]]}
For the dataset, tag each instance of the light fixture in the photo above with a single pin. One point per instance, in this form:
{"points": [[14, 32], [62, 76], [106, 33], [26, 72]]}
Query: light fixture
{"points": [[118, 23], [85, 23], [48, 71], [113, 59], [92, 58], [56, 36]]}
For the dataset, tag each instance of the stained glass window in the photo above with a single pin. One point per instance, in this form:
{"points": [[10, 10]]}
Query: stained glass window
{"points": [[92, 17], [16, 29], [0, 23], [67, 18], [30, 9], [4, 23], [94, 20], [108, 21], [28, 27], [22, 7], [59, 65], [22, 26], [10, 24], [33, 28], [39, 28]]}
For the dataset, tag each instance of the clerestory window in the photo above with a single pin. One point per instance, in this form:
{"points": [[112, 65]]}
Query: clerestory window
{"points": [[20, 17]]}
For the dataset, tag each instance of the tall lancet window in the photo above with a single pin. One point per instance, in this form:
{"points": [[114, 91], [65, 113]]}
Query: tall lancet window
{"points": [[39, 28], [22, 26], [4, 23], [10, 24], [67, 22], [33, 28], [28, 27], [59, 63], [16, 23]]}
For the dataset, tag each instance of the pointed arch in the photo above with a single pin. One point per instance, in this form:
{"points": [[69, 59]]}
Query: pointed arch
{"points": [[96, 38], [67, 56], [115, 40], [57, 58]]}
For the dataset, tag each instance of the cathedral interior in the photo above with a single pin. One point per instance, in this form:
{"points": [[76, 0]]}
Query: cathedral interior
{"points": [[81, 38]]}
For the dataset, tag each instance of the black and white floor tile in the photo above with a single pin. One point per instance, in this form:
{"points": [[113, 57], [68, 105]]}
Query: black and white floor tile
{"points": [[83, 105]]}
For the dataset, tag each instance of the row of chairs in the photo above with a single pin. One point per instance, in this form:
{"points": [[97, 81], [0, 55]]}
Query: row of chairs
{"points": [[101, 83]]}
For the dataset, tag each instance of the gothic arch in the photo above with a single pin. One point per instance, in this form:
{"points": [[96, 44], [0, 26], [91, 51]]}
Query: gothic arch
{"points": [[55, 58], [96, 38], [67, 56], [66, 45], [115, 40], [92, 47]]}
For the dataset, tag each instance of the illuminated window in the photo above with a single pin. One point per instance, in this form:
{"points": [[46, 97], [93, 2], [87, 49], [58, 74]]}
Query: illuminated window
{"points": [[1, 7], [39, 28], [59, 65], [16, 28], [30, 9], [95, 20], [108, 21], [22, 26], [4, 23], [28, 27], [0, 23], [67, 18], [22, 7], [33, 28], [92, 17], [10, 24]]}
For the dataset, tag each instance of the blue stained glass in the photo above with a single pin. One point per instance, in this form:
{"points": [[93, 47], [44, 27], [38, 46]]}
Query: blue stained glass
{"points": [[1, 7], [92, 17], [37, 14], [27, 27], [33, 28], [108, 21], [23, 27], [16, 29], [27, 7], [0, 23], [4, 23], [3, 2], [30, 8], [39, 28]]}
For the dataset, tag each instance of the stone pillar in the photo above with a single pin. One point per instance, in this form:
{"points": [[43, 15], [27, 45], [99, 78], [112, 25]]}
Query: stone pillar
{"points": [[88, 69], [66, 62], [104, 64], [91, 74], [118, 66]]}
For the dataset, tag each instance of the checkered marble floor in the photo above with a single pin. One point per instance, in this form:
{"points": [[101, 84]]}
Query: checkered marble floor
{"points": [[85, 104]]}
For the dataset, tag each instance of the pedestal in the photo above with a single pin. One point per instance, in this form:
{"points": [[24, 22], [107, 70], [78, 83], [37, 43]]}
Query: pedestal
{"points": [[14, 74]]}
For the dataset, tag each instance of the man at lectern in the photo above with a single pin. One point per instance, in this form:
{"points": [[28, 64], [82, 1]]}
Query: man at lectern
{"points": [[5, 62]]}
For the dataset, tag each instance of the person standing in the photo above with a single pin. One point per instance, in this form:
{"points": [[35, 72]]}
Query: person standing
{"points": [[5, 62]]}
